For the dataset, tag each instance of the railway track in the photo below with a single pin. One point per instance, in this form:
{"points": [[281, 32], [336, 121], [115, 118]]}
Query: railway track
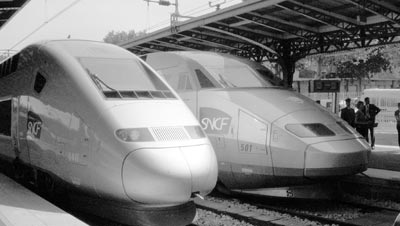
{"points": [[257, 210], [289, 211]]}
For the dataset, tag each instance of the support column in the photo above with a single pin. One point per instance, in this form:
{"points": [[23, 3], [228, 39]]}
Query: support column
{"points": [[288, 63]]}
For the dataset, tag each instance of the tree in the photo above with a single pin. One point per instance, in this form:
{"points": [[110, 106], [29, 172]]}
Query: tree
{"points": [[362, 68], [3, 57], [117, 37]]}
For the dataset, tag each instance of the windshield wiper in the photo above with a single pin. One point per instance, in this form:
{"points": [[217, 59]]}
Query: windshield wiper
{"points": [[100, 82]]}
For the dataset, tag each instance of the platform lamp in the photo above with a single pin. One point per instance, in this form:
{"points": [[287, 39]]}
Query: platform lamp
{"points": [[174, 16], [217, 4]]}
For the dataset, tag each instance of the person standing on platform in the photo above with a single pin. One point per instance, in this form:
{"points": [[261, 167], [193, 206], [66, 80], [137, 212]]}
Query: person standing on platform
{"points": [[361, 121], [397, 116], [370, 112], [348, 114]]}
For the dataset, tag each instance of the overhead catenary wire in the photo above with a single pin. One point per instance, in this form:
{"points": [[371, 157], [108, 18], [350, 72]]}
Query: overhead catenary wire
{"points": [[192, 12], [45, 23]]}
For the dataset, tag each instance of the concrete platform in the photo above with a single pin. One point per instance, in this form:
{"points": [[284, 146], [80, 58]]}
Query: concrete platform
{"points": [[21, 207], [384, 164], [385, 157], [382, 178]]}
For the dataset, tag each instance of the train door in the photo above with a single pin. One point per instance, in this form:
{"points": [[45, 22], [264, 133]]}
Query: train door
{"points": [[22, 151], [14, 126], [252, 162], [5, 128]]}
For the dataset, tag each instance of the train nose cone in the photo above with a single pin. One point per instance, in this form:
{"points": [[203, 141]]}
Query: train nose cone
{"points": [[169, 175], [203, 167], [336, 158]]}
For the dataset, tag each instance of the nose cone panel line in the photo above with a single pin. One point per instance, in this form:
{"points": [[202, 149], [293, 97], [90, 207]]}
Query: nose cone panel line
{"points": [[334, 158], [156, 176], [203, 167], [169, 175]]}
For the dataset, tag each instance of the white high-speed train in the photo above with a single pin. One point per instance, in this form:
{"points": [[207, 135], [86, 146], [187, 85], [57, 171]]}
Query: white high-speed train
{"points": [[94, 118], [264, 135]]}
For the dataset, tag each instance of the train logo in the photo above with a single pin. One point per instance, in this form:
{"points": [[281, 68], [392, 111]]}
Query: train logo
{"points": [[34, 124], [214, 121]]}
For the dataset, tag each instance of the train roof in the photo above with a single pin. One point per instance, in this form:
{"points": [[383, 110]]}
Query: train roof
{"points": [[86, 48], [194, 56]]}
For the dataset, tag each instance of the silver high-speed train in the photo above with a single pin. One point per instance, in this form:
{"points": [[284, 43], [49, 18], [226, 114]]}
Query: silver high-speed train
{"points": [[264, 135], [96, 119]]}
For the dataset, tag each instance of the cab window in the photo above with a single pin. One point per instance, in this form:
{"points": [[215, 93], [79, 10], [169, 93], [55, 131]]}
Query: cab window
{"points": [[5, 118], [40, 82], [231, 72], [124, 78], [203, 80], [178, 81]]}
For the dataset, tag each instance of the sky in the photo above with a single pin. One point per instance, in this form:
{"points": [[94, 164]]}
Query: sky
{"points": [[91, 19]]}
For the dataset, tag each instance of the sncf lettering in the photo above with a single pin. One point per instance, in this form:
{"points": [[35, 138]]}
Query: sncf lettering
{"points": [[34, 124], [34, 128], [214, 123]]}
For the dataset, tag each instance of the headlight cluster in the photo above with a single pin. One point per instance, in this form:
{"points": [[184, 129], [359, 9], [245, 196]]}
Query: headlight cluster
{"points": [[310, 130], [134, 135], [195, 132], [145, 135]]}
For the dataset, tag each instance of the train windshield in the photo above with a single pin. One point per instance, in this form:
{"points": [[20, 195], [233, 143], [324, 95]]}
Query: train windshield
{"points": [[230, 72], [121, 78]]}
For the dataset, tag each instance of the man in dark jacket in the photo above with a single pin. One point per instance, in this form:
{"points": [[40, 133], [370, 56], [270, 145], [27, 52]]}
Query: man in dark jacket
{"points": [[397, 116], [361, 122], [371, 111], [348, 114]]}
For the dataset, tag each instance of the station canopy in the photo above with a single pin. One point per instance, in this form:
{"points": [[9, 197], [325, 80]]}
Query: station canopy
{"points": [[280, 30], [8, 8]]}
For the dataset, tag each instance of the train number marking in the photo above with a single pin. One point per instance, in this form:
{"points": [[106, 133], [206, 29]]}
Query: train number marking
{"points": [[246, 147]]}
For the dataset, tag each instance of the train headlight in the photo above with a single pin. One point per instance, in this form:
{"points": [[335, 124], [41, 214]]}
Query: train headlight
{"points": [[134, 135], [195, 132], [310, 130]]}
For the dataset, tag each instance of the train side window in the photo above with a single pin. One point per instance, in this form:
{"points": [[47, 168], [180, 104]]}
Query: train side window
{"points": [[177, 81], [4, 69], [184, 82], [203, 80], [172, 80], [14, 63], [5, 118], [188, 83], [40, 82]]}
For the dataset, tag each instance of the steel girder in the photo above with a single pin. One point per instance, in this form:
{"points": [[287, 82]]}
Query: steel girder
{"points": [[282, 30], [9, 8]]}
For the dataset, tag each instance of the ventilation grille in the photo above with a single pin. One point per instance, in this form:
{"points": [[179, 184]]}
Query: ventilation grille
{"points": [[170, 133]]}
